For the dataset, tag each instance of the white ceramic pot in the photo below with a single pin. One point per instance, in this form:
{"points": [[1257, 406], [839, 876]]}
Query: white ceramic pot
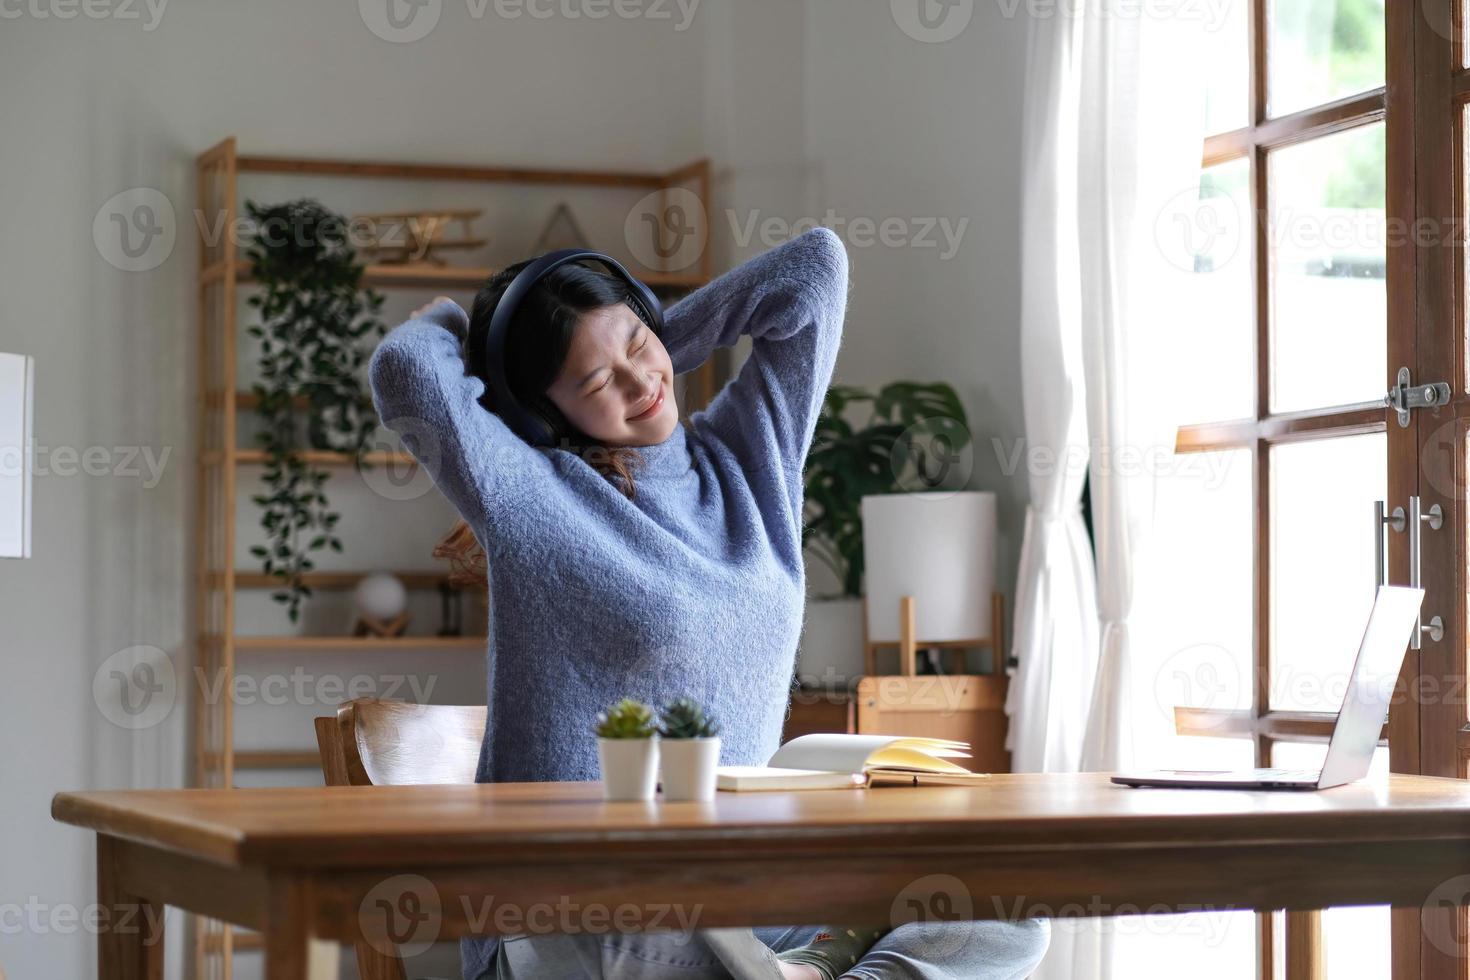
{"points": [[629, 767], [688, 767]]}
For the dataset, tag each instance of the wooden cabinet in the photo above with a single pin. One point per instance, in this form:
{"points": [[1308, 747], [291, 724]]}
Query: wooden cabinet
{"points": [[969, 707]]}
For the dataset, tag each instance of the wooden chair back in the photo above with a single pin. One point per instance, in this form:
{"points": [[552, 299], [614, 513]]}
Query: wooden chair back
{"points": [[375, 742]]}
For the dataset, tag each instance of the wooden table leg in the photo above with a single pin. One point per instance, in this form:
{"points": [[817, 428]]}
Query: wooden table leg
{"points": [[287, 931], [130, 937]]}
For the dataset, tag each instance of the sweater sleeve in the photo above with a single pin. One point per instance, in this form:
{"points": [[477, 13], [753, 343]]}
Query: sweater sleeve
{"points": [[422, 392], [791, 300]]}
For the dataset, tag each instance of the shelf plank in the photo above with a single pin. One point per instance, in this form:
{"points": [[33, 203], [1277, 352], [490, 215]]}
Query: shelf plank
{"points": [[419, 275], [277, 759], [322, 457], [340, 580], [359, 643], [308, 166]]}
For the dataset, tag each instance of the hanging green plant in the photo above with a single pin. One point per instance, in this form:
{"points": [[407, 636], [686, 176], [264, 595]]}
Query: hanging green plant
{"points": [[912, 438], [314, 317]]}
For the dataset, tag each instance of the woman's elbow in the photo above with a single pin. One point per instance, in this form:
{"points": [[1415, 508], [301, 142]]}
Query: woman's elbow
{"points": [[824, 269]]}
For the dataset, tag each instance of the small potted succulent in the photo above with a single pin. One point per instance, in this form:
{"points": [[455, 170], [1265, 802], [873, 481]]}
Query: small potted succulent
{"points": [[627, 751], [690, 751]]}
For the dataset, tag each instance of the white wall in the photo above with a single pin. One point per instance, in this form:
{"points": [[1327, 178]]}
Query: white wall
{"points": [[927, 131], [94, 107], [801, 106]]}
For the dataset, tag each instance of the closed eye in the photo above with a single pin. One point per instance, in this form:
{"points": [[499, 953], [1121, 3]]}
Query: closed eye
{"points": [[639, 350]]}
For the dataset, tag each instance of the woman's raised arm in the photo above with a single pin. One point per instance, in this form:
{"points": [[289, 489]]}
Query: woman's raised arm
{"points": [[791, 300], [421, 392]]}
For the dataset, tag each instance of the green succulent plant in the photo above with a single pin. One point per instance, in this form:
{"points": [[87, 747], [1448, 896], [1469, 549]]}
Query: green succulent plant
{"points": [[626, 719], [684, 718]]}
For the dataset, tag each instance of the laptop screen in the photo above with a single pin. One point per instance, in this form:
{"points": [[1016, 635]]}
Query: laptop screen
{"points": [[1370, 687]]}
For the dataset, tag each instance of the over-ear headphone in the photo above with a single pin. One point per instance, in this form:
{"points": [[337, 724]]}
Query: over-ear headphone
{"points": [[524, 420]]}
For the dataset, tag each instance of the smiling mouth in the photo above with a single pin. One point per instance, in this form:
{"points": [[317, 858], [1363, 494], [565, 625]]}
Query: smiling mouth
{"points": [[657, 404]]}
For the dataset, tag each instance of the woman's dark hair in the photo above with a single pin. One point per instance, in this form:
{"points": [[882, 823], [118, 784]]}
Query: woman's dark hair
{"points": [[536, 348]]}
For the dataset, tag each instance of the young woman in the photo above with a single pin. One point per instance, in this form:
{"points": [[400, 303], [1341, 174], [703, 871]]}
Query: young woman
{"points": [[648, 556]]}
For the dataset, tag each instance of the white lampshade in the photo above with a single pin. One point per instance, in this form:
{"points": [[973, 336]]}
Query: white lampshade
{"points": [[17, 379], [937, 547]]}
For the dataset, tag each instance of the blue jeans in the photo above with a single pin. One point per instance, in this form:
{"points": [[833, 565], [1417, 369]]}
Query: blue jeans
{"points": [[987, 950]]}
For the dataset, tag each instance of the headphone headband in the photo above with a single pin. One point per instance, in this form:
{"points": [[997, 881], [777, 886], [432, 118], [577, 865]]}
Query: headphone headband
{"points": [[526, 422]]}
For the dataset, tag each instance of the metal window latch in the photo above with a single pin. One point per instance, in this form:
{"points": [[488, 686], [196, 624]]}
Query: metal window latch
{"points": [[1406, 395]]}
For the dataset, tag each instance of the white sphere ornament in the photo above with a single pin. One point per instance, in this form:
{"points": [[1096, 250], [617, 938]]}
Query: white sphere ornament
{"points": [[381, 596]]}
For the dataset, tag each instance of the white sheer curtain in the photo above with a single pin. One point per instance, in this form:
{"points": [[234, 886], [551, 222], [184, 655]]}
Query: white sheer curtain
{"points": [[1056, 590], [1113, 130]]}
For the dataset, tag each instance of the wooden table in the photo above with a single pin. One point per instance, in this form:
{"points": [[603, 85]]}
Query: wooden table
{"points": [[300, 863]]}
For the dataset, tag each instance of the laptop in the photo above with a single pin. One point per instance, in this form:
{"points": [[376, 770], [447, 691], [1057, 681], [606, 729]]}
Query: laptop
{"points": [[1359, 723]]}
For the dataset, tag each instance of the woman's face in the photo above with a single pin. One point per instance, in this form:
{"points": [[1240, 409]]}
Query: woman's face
{"points": [[617, 384]]}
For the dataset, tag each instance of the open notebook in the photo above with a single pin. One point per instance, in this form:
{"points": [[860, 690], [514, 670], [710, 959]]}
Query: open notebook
{"points": [[844, 761]]}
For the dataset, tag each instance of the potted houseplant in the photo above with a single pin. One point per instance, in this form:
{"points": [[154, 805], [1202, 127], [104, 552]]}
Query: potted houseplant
{"points": [[318, 324], [901, 438], [689, 751], [627, 751]]}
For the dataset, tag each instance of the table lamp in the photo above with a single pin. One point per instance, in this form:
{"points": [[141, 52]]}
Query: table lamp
{"points": [[17, 382], [929, 567]]}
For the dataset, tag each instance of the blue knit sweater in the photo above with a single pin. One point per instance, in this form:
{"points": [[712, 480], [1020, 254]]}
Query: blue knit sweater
{"points": [[696, 586]]}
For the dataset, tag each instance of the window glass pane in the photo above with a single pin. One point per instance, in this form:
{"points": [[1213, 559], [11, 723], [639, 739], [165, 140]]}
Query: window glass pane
{"points": [[1329, 302], [1323, 50], [1227, 68], [1357, 938], [1322, 554], [1194, 644], [1221, 325]]}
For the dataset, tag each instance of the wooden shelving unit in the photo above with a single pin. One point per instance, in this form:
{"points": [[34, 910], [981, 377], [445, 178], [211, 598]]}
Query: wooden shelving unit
{"points": [[223, 462]]}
